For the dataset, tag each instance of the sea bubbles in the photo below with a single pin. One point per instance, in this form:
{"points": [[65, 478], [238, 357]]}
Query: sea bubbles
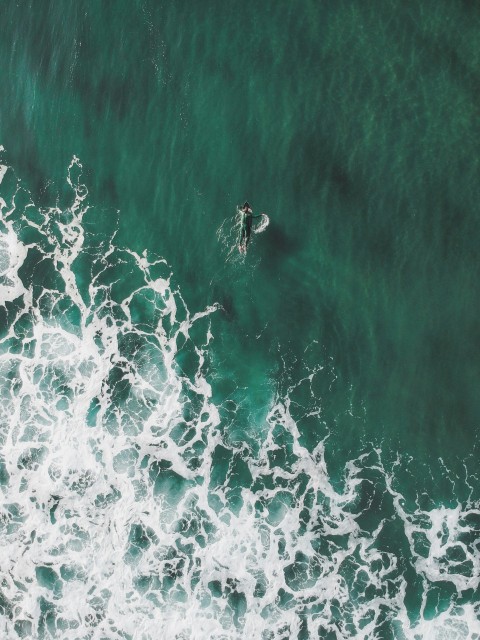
{"points": [[126, 511]]}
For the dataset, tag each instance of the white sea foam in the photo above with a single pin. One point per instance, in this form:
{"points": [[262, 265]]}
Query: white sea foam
{"points": [[124, 511], [263, 224]]}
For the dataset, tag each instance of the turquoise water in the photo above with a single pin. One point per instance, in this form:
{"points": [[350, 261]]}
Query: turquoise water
{"points": [[299, 460]]}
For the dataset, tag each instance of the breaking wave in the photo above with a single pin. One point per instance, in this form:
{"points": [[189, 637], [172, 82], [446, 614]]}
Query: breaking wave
{"points": [[126, 512]]}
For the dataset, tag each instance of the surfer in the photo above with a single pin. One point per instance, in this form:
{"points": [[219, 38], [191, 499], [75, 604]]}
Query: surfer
{"points": [[247, 216]]}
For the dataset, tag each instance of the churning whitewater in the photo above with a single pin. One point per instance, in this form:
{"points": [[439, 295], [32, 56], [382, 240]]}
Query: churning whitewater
{"points": [[126, 512]]}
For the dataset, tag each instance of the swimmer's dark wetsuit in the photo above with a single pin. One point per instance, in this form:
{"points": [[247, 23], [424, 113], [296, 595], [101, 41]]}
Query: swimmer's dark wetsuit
{"points": [[246, 227]]}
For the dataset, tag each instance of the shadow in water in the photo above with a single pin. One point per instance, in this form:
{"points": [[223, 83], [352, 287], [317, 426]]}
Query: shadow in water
{"points": [[226, 302], [277, 244]]}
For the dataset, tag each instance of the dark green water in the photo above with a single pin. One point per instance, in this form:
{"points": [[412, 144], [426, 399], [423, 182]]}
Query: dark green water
{"points": [[355, 126]]}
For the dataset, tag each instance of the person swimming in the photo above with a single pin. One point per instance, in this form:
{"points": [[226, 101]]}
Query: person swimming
{"points": [[247, 216]]}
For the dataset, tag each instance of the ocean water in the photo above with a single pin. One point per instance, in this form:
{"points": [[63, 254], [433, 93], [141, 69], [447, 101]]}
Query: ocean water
{"points": [[200, 444]]}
